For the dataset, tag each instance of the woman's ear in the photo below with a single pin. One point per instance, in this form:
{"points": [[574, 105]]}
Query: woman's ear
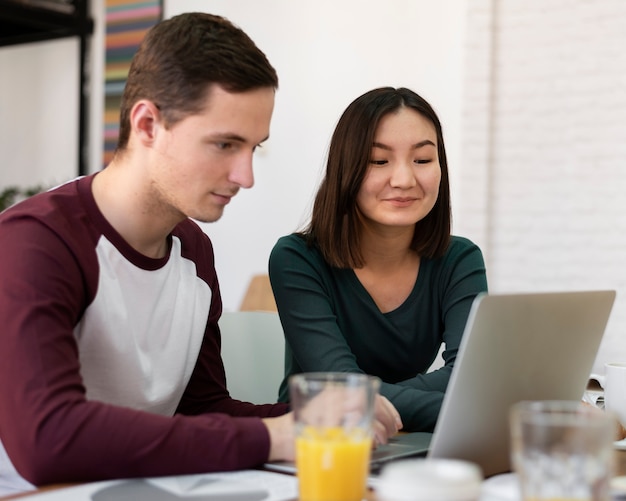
{"points": [[145, 118]]}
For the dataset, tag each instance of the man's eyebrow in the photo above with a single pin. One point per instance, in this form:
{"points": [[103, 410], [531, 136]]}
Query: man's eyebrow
{"points": [[421, 144], [233, 137], [229, 136]]}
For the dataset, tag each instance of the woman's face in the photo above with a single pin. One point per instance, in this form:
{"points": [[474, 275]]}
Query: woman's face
{"points": [[402, 181]]}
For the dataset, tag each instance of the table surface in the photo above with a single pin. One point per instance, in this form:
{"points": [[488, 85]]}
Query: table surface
{"points": [[620, 456]]}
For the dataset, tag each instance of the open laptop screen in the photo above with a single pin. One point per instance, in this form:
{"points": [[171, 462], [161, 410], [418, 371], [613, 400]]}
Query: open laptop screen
{"points": [[538, 346]]}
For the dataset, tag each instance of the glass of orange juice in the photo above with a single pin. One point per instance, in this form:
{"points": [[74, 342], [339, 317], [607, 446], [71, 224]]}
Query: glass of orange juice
{"points": [[334, 413]]}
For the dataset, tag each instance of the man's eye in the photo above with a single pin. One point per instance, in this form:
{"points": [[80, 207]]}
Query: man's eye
{"points": [[224, 146]]}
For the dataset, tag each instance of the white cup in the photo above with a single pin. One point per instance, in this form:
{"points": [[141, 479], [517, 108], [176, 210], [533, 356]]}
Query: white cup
{"points": [[429, 480], [615, 390]]}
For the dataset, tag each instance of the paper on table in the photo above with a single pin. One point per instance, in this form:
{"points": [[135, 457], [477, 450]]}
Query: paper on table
{"points": [[244, 485], [594, 393]]}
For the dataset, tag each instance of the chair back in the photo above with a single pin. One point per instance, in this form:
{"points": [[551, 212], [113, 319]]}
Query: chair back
{"points": [[253, 351], [259, 295]]}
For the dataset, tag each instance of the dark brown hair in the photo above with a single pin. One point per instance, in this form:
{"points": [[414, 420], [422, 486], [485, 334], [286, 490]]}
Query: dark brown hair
{"points": [[335, 226], [181, 57]]}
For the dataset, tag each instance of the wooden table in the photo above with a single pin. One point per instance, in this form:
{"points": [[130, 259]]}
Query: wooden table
{"points": [[620, 463]]}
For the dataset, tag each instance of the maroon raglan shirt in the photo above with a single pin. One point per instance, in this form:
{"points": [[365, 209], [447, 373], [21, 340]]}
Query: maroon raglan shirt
{"points": [[110, 363]]}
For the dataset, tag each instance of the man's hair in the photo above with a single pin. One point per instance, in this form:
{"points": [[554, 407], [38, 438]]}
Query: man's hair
{"points": [[181, 57], [336, 223]]}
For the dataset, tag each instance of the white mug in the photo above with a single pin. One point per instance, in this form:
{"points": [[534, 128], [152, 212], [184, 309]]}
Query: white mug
{"points": [[615, 390]]}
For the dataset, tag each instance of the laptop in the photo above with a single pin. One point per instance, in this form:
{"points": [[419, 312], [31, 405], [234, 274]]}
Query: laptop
{"points": [[528, 346]]}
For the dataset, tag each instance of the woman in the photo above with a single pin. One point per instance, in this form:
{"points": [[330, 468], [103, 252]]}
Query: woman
{"points": [[376, 283]]}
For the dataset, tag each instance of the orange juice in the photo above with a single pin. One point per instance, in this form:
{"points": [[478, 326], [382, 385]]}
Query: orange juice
{"points": [[332, 464]]}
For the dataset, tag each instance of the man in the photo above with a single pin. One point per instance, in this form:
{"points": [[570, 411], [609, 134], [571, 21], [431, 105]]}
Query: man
{"points": [[109, 300], [108, 295]]}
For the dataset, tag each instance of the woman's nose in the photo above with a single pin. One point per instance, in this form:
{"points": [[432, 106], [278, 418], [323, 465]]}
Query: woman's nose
{"points": [[403, 174]]}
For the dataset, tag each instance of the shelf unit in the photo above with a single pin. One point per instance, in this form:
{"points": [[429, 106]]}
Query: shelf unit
{"points": [[27, 21]]}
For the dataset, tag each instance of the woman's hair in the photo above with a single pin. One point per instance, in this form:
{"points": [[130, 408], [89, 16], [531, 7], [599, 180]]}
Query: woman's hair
{"points": [[181, 57], [336, 224]]}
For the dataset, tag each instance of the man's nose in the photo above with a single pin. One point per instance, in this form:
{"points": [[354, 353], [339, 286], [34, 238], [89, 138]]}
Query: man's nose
{"points": [[242, 173]]}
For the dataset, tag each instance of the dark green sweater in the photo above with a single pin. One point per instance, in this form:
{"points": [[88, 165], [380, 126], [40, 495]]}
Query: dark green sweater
{"points": [[332, 324]]}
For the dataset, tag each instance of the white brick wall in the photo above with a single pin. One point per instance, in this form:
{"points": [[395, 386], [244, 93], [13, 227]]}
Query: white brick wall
{"points": [[543, 171]]}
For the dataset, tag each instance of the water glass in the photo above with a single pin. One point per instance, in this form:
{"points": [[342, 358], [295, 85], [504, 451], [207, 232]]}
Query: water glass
{"points": [[562, 450]]}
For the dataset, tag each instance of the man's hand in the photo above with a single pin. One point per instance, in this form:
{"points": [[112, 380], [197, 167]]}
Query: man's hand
{"points": [[282, 437], [387, 420], [281, 429]]}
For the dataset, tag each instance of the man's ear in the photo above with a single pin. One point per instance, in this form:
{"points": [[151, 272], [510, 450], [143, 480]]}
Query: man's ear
{"points": [[145, 118]]}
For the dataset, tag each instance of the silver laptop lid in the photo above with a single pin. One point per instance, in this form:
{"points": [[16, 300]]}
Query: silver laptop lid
{"points": [[516, 347]]}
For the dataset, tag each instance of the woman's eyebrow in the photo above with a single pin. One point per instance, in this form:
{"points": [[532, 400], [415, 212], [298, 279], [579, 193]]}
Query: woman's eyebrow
{"points": [[425, 142]]}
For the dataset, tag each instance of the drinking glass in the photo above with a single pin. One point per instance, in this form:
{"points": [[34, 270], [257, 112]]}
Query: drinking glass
{"points": [[334, 414], [562, 450]]}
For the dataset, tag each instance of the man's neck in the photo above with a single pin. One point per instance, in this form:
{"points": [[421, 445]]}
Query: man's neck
{"points": [[122, 195]]}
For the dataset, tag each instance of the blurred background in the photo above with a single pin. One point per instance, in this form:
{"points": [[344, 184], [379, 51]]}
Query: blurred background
{"points": [[531, 95]]}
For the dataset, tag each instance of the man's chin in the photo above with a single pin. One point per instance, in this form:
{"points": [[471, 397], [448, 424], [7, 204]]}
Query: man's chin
{"points": [[208, 218]]}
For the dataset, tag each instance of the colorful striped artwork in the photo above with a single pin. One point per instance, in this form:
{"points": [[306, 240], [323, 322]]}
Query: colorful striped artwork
{"points": [[126, 24]]}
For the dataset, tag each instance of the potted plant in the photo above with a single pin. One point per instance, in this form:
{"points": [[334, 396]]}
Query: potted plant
{"points": [[13, 194]]}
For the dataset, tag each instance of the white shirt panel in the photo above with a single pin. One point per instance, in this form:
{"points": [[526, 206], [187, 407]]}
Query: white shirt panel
{"points": [[139, 339], [10, 480]]}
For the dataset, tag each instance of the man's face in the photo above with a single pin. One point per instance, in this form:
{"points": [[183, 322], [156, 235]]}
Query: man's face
{"points": [[202, 161]]}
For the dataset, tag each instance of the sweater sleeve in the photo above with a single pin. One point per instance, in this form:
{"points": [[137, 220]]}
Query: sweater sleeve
{"points": [[50, 431]]}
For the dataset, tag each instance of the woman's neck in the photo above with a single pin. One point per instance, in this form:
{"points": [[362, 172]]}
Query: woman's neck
{"points": [[390, 268], [389, 247]]}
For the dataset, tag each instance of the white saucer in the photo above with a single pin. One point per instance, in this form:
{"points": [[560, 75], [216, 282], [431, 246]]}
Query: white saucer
{"points": [[618, 486], [503, 487]]}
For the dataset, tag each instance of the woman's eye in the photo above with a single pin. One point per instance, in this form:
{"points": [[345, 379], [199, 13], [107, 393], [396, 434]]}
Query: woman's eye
{"points": [[378, 162], [423, 161], [223, 146]]}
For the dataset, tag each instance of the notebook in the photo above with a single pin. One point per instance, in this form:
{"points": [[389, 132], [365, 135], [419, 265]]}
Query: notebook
{"points": [[529, 346]]}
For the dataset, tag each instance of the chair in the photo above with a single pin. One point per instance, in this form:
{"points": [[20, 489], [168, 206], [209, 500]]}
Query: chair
{"points": [[259, 295], [253, 351]]}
